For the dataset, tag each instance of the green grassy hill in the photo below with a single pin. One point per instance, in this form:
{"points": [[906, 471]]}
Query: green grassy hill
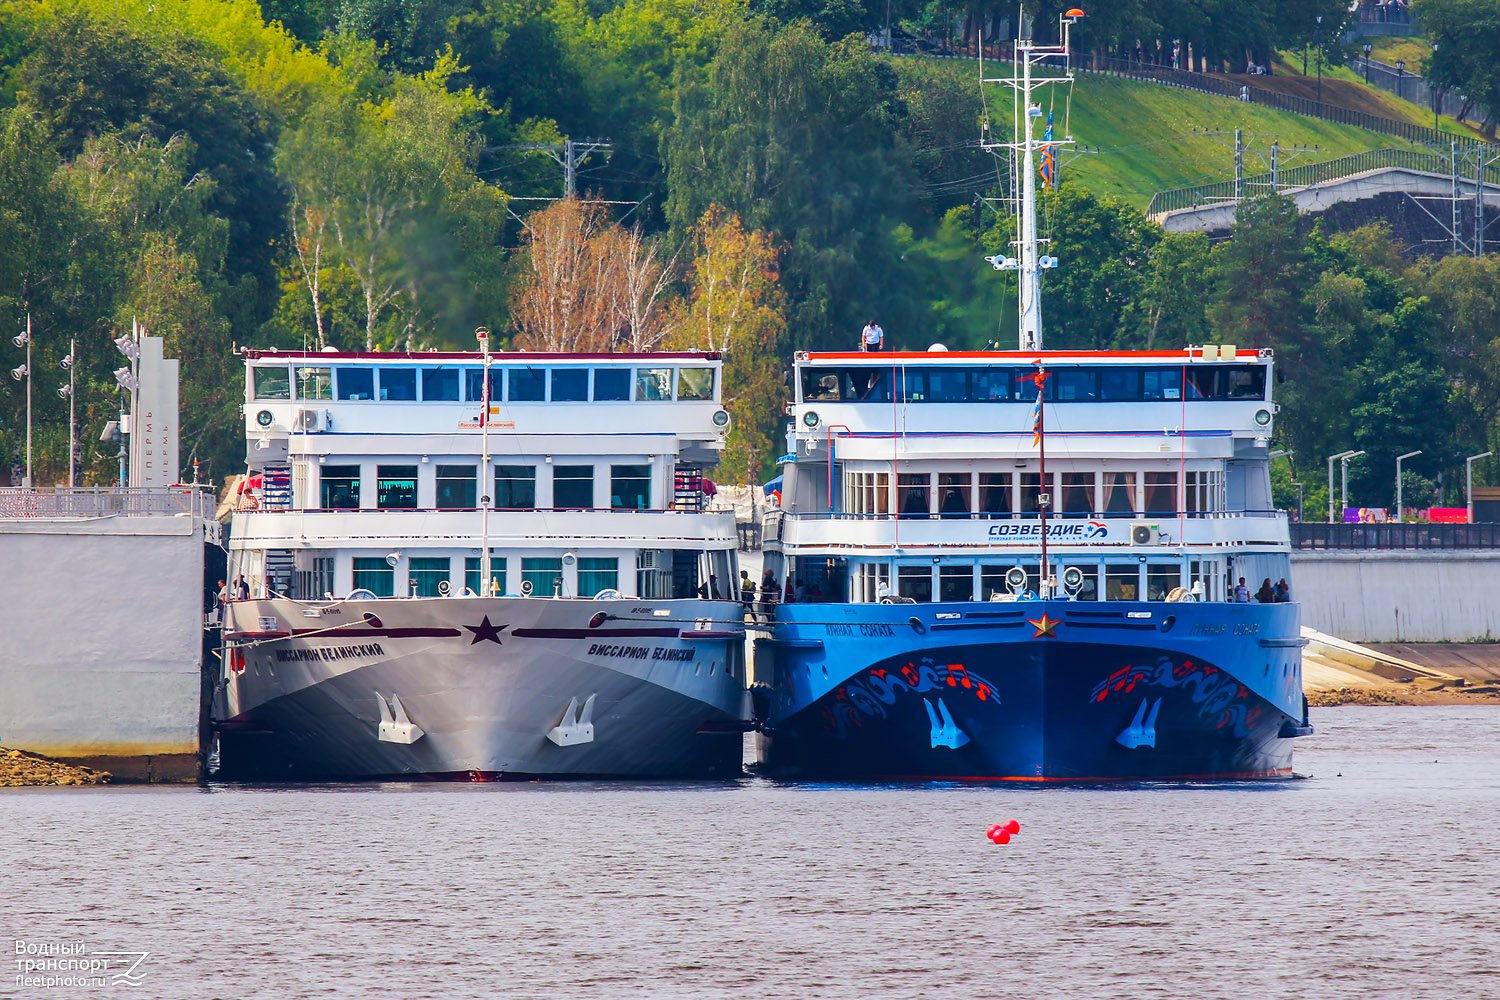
{"points": [[1149, 136]]}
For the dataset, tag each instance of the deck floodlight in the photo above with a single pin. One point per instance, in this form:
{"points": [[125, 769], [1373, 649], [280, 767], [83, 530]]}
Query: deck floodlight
{"points": [[19, 372], [66, 363], [22, 339], [64, 391]]}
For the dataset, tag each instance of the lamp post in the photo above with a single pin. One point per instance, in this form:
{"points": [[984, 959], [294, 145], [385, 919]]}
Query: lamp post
{"points": [[1368, 47], [1469, 480], [1433, 90], [1320, 62], [1401, 78], [1331, 460], [1400, 510], [1299, 500], [1345, 462], [18, 373], [68, 364]]}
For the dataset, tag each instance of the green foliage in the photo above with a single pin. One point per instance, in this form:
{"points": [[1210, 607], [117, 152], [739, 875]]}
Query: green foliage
{"points": [[1467, 37]]}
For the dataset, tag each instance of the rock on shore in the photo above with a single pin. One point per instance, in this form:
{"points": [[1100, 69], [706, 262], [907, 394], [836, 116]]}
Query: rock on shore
{"points": [[18, 767]]}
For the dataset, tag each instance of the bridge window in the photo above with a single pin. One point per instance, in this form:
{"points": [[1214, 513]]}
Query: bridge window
{"points": [[947, 385], [570, 385], [573, 487], [396, 487], [527, 385], [1119, 385], [456, 487], [991, 385], [653, 383], [629, 487], [314, 382], [611, 384], [474, 384], [1161, 384], [1075, 385], [272, 383], [1244, 382], [820, 385], [398, 385], [339, 487], [1025, 388], [515, 487], [356, 383], [440, 384], [695, 383]]}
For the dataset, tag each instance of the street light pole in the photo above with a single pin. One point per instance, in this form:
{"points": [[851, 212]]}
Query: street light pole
{"points": [[1299, 501], [1401, 78], [1401, 510], [1331, 460], [1368, 47], [1433, 90], [1345, 463], [1320, 62], [1469, 480]]}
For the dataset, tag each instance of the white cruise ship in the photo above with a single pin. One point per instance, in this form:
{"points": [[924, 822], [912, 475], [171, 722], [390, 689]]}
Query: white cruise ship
{"points": [[438, 582]]}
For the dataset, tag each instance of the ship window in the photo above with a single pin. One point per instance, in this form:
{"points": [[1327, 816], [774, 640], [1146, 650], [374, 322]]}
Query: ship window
{"points": [[990, 385], [356, 383], [527, 385], [570, 385], [911, 494], [1119, 385], [456, 487], [994, 492], [515, 487], [1077, 493], [867, 493], [599, 574], [314, 382], [340, 487], [545, 576], [474, 385], [653, 383], [955, 583], [695, 383], [820, 385], [992, 581], [611, 384], [1244, 382], [947, 385], [497, 574], [425, 573], [375, 575], [1031, 491], [1161, 492], [1089, 589], [398, 385], [573, 486], [1025, 386], [911, 385], [1121, 581], [1161, 578], [955, 494], [396, 487], [1201, 382], [914, 582], [1119, 493], [629, 489], [1076, 385], [1161, 384], [272, 383], [440, 384], [1201, 494]]}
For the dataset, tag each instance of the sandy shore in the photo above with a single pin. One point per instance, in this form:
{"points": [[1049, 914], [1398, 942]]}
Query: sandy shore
{"points": [[18, 767]]}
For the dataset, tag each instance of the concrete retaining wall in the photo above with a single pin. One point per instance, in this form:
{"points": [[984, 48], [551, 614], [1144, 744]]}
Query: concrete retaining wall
{"points": [[1400, 596], [101, 642]]}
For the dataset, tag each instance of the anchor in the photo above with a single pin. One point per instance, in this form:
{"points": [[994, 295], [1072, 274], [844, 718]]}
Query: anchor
{"points": [[395, 726], [1142, 730], [945, 733], [577, 725]]}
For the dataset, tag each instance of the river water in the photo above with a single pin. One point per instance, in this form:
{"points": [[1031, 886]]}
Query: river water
{"points": [[1377, 876]]}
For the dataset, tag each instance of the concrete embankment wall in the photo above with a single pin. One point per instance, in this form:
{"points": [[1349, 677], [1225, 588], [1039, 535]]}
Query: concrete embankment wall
{"points": [[101, 642], [1385, 596]]}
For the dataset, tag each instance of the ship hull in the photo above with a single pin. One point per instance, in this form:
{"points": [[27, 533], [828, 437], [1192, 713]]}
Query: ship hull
{"points": [[998, 692], [495, 687]]}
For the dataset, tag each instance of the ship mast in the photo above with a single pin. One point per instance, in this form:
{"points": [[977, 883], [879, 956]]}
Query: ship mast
{"points": [[1023, 148]]}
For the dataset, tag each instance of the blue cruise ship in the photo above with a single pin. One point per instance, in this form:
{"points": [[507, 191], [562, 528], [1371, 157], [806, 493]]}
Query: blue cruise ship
{"points": [[1030, 565]]}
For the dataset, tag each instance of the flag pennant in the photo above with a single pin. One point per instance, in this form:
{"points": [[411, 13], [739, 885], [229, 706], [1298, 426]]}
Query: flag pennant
{"points": [[1049, 157], [1038, 379]]}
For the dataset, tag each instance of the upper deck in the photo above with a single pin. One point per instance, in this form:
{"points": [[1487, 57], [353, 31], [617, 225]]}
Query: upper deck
{"points": [[1097, 402], [296, 394]]}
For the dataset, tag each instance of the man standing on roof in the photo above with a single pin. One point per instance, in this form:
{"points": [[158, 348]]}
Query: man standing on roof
{"points": [[873, 337]]}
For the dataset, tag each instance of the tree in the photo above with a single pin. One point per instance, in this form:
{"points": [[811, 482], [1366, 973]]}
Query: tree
{"points": [[563, 300], [735, 306], [1168, 310], [1260, 277], [1466, 34]]}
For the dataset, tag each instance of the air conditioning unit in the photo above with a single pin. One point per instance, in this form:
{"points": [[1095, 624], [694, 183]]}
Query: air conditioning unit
{"points": [[1144, 533], [648, 559], [309, 420]]}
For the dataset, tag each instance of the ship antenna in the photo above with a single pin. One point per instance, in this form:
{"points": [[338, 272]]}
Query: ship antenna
{"points": [[1023, 148]]}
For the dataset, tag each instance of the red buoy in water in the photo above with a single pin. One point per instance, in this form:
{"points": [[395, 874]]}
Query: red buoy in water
{"points": [[994, 828], [1011, 826], [1001, 838]]}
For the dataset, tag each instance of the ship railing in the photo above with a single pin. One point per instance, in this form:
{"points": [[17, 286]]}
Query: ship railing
{"points": [[1191, 515], [714, 508], [106, 501]]}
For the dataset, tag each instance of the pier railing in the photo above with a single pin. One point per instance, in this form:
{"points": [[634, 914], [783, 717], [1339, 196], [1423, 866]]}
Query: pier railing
{"points": [[1317, 536], [105, 501]]}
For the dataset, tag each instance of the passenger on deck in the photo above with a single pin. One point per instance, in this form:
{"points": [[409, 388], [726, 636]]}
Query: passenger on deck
{"points": [[1242, 593], [1266, 594], [872, 338], [1283, 592]]}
